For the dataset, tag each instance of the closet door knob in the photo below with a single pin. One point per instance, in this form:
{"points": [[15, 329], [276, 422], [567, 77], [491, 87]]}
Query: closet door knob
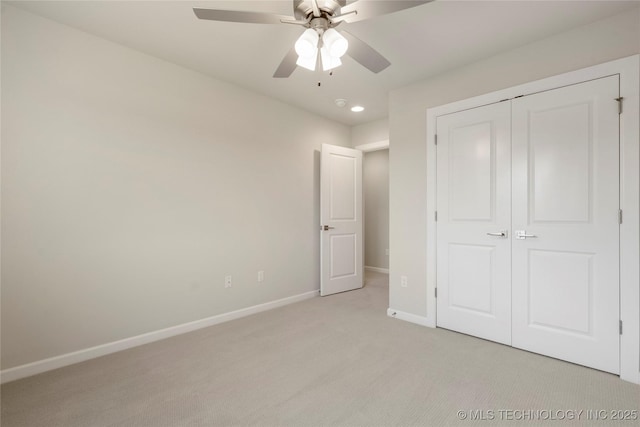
{"points": [[522, 235]]}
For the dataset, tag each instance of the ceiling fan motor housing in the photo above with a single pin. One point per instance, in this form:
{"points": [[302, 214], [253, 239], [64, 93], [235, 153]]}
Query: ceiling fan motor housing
{"points": [[303, 8]]}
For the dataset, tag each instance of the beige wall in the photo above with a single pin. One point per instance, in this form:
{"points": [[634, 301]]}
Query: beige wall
{"points": [[375, 173], [132, 186], [605, 40], [375, 184], [368, 133]]}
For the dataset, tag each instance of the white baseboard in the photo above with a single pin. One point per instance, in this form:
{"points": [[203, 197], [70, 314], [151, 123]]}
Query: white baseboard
{"points": [[51, 363], [377, 269], [408, 317]]}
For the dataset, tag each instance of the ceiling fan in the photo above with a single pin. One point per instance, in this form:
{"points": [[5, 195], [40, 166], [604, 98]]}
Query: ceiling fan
{"points": [[321, 41]]}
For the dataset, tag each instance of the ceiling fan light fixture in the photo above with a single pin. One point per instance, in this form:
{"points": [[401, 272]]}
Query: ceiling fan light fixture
{"points": [[329, 62], [336, 44], [319, 17], [307, 44]]}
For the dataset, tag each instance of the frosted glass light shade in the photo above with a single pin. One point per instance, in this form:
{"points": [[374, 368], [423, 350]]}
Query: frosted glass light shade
{"points": [[329, 62], [307, 44], [335, 43], [309, 62]]}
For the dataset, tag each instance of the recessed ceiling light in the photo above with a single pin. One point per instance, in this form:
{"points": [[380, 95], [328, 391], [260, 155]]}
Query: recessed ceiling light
{"points": [[357, 109], [340, 102]]}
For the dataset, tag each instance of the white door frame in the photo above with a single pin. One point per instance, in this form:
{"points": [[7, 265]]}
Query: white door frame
{"points": [[629, 71]]}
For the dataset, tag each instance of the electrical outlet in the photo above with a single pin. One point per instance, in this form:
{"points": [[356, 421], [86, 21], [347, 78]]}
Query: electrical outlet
{"points": [[403, 281], [227, 281], [261, 276]]}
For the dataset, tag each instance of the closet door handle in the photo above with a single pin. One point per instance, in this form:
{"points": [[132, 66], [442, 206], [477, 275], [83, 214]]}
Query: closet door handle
{"points": [[498, 234], [522, 235]]}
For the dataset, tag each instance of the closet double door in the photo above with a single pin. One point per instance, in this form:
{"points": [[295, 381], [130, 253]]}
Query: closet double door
{"points": [[528, 223]]}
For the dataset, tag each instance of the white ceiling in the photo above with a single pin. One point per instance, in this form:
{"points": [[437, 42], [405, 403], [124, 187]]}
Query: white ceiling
{"points": [[420, 42]]}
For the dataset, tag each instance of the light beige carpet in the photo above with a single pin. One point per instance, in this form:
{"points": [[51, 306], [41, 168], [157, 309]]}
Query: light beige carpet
{"points": [[332, 361]]}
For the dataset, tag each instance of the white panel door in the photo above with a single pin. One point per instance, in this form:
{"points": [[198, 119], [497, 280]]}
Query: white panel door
{"points": [[474, 215], [566, 194], [341, 220]]}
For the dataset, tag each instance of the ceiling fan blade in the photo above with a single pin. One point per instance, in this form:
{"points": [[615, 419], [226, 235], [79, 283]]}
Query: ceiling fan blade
{"points": [[287, 65], [371, 9], [238, 16], [365, 54], [316, 8]]}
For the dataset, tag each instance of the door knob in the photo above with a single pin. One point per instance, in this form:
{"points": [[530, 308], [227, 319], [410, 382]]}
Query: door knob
{"points": [[522, 235], [502, 233], [326, 228]]}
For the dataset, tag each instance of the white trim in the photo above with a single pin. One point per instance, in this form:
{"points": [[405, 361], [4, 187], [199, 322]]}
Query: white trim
{"points": [[629, 71], [56, 362], [408, 317], [377, 269], [629, 229], [373, 146]]}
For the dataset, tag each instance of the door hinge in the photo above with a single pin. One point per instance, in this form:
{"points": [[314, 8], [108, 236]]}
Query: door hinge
{"points": [[619, 216], [620, 104], [435, 139], [621, 327], [435, 215], [436, 292]]}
